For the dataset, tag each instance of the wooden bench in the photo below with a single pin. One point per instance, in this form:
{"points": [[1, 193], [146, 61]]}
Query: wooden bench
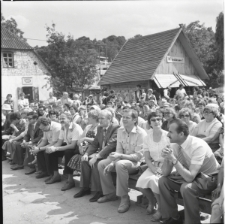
{"points": [[204, 201]]}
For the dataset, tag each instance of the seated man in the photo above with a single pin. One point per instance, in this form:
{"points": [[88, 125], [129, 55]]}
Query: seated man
{"points": [[124, 161], [32, 137], [51, 132], [103, 144], [190, 156], [65, 146]]}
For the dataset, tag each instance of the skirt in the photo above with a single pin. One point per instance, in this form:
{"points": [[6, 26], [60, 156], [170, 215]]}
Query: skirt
{"points": [[75, 162], [148, 180]]}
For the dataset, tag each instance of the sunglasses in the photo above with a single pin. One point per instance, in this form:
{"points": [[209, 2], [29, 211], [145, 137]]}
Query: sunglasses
{"points": [[156, 119], [207, 112], [182, 116]]}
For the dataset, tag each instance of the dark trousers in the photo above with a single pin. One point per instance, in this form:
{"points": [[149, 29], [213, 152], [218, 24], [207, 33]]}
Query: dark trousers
{"points": [[29, 157], [18, 156], [53, 159], [189, 192], [43, 162], [90, 176]]}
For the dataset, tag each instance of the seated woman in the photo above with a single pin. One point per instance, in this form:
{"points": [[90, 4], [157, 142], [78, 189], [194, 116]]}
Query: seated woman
{"points": [[85, 139], [185, 115], [70, 133], [169, 114], [209, 128], [190, 105], [154, 142]]}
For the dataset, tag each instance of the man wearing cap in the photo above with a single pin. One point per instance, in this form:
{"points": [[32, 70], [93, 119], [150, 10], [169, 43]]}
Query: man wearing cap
{"points": [[181, 92]]}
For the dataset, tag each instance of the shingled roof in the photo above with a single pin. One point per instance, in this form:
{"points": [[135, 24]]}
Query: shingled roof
{"points": [[12, 41]]}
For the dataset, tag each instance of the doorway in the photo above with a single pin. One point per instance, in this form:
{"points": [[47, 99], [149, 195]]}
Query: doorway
{"points": [[28, 91]]}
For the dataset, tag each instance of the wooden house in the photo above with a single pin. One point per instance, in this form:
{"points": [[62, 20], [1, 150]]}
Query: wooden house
{"points": [[22, 70], [155, 61]]}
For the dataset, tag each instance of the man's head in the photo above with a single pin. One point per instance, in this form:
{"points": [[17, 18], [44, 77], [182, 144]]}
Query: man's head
{"points": [[52, 115], [45, 124], [73, 109], [65, 95], [130, 117], [150, 91], [15, 117], [41, 110], [32, 117], [65, 119], [9, 96], [178, 131], [138, 87], [181, 86], [105, 118], [22, 95], [75, 97]]}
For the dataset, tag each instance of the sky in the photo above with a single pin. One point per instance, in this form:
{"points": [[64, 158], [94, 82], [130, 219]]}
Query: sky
{"points": [[100, 19]]}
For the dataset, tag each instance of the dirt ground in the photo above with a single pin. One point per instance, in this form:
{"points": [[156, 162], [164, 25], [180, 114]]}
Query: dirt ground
{"points": [[27, 200]]}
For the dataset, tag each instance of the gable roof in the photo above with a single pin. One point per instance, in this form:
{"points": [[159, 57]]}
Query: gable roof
{"points": [[139, 58], [12, 41]]}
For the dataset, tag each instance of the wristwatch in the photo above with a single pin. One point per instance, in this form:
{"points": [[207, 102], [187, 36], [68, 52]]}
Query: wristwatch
{"points": [[175, 162]]}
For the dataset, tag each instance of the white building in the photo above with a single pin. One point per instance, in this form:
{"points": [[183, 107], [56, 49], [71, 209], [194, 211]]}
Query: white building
{"points": [[22, 70]]}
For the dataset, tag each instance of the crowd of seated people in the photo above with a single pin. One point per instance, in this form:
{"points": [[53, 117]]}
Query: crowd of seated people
{"points": [[179, 139]]}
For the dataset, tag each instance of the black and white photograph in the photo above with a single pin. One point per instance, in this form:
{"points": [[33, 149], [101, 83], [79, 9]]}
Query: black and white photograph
{"points": [[112, 112]]}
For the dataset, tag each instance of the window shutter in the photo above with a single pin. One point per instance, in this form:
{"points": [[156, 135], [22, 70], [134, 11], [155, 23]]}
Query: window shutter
{"points": [[36, 94], [19, 90]]}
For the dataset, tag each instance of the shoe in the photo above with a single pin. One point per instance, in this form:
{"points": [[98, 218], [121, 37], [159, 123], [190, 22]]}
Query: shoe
{"points": [[17, 167], [150, 210], [173, 221], [68, 186], [156, 217], [82, 193], [30, 172], [54, 180], [38, 172], [48, 178], [96, 197], [108, 197], [124, 205], [41, 175], [12, 163]]}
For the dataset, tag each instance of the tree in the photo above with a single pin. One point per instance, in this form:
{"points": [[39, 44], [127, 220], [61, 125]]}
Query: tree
{"points": [[219, 35], [202, 40], [71, 61], [12, 26]]}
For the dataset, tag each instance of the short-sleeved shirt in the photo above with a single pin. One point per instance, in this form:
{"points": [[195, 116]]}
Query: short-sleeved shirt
{"points": [[197, 152], [181, 92], [132, 143], [73, 134], [53, 134]]}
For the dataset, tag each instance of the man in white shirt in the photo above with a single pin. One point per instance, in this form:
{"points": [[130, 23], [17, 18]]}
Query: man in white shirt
{"points": [[181, 93], [51, 132], [190, 156], [125, 161], [22, 102], [69, 134], [51, 100], [65, 99]]}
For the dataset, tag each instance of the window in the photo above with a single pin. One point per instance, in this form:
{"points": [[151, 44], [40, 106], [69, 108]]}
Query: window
{"points": [[8, 60]]}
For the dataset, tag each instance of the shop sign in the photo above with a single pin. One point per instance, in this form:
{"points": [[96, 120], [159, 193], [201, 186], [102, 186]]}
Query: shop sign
{"points": [[171, 59], [27, 81]]}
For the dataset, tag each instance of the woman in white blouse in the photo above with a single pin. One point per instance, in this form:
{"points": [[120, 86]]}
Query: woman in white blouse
{"points": [[185, 114], [154, 142]]}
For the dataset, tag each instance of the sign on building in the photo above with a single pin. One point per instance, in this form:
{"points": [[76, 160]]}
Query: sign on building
{"points": [[171, 59]]}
